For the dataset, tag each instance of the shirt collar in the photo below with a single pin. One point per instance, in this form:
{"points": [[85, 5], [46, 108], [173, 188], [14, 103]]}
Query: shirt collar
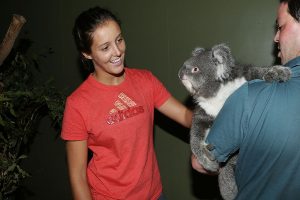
{"points": [[294, 62]]}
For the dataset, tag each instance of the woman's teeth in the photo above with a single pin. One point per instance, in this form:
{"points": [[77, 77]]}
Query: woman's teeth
{"points": [[116, 61]]}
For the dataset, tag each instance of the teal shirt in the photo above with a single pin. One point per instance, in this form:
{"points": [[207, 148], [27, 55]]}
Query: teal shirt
{"points": [[262, 121]]}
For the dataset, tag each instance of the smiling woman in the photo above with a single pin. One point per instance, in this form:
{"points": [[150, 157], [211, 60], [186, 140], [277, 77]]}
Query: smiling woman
{"points": [[111, 113]]}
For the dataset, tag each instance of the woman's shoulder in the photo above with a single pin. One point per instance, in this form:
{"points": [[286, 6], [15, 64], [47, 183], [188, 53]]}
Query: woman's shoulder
{"points": [[83, 91]]}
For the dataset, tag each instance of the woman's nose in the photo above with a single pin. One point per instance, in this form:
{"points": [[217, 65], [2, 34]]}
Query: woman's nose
{"points": [[117, 50]]}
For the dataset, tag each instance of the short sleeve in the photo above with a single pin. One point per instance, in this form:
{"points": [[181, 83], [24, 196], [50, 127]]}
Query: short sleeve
{"points": [[73, 127], [160, 93], [230, 125]]}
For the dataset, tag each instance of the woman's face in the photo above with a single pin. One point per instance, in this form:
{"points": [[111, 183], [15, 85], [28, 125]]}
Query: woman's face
{"points": [[107, 51]]}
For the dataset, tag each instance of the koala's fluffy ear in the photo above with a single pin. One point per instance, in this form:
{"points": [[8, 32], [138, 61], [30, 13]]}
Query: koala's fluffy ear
{"points": [[221, 55], [197, 51]]}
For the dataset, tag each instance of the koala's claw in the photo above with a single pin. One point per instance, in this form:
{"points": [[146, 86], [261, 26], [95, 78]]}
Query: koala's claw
{"points": [[210, 147], [277, 73], [207, 150]]}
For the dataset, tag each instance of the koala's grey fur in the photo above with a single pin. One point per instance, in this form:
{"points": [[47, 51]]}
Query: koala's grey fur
{"points": [[211, 76]]}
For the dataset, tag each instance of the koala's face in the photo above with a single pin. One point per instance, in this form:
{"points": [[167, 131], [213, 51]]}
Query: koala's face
{"points": [[197, 72], [203, 73]]}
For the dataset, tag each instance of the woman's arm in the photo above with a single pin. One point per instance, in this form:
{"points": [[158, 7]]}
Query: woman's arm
{"points": [[176, 111], [77, 154]]}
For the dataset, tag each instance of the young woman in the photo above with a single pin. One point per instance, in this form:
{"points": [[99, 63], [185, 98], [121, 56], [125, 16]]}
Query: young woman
{"points": [[111, 113]]}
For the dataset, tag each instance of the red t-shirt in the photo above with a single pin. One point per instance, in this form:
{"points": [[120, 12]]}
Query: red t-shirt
{"points": [[117, 122]]}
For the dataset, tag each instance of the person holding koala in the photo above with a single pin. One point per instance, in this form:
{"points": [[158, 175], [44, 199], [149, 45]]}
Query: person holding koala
{"points": [[111, 113], [261, 121]]}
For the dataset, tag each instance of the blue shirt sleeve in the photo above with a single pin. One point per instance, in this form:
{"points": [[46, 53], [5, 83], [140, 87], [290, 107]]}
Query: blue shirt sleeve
{"points": [[228, 129]]}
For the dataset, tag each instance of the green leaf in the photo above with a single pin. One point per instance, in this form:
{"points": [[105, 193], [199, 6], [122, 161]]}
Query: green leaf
{"points": [[22, 156], [3, 138], [2, 122], [10, 168], [12, 111]]}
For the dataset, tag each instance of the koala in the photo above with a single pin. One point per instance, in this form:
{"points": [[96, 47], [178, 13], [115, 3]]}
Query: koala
{"points": [[211, 76]]}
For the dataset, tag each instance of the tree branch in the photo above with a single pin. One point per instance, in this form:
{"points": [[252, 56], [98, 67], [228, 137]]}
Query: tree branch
{"points": [[12, 33]]}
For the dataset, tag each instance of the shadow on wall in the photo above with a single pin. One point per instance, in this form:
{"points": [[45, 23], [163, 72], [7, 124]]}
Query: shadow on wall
{"points": [[203, 187], [173, 127]]}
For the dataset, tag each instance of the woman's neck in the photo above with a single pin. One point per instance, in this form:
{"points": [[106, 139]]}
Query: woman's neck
{"points": [[109, 79]]}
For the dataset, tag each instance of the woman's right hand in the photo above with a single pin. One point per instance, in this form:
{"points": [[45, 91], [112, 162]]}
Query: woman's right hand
{"points": [[77, 155]]}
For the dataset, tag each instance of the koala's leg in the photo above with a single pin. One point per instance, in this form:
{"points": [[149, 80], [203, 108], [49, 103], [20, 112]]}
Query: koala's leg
{"points": [[198, 134], [227, 183], [273, 73]]}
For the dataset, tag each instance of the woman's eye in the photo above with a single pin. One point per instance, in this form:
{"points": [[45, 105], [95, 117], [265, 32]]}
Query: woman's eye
{"points": [[104, 48], [120, 40]]}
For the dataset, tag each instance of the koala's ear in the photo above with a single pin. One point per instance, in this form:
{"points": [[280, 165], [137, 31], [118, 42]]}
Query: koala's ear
{"points": [[197, 51], [220, 53]]}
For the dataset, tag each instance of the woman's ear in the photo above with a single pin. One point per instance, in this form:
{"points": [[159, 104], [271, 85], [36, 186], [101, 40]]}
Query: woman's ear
{"points": [[87, 56]]}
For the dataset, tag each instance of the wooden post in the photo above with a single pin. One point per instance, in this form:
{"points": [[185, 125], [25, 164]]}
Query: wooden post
{"points": [[15, 26]]}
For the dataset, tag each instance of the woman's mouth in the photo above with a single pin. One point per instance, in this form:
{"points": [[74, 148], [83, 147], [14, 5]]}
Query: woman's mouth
{"points": [[116, 61]]}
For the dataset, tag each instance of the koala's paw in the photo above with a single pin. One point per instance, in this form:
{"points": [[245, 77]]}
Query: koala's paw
{"points": [[206, 158], [277, 73]]}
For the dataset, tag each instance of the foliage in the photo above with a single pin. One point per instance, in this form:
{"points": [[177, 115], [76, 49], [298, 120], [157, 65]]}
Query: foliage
{"points": [[23, 102]]}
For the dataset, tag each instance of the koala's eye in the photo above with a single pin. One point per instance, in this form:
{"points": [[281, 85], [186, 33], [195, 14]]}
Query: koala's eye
{"points": [[195, 69]]}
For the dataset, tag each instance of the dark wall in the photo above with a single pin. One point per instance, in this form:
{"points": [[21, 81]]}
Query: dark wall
{"points": [[160, 35]]}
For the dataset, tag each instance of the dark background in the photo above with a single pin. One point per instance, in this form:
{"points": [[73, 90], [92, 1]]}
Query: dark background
{"points": [[160, 35]]}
